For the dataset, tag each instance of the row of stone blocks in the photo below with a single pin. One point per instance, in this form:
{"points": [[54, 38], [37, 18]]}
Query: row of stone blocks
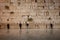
{"points": [[30, 0]]}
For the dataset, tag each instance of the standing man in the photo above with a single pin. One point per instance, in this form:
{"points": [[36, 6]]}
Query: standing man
{"points": [[20, 25], [0, 26], [8, 26], [51, 25], [27, 24]]}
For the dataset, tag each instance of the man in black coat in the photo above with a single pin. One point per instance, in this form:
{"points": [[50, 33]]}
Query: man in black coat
{"points": [[27, 25], [51, 25], [20, 25], [8, 26]]}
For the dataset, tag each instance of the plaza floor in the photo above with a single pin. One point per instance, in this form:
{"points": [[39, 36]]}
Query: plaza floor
{"points": [[30, 34]]}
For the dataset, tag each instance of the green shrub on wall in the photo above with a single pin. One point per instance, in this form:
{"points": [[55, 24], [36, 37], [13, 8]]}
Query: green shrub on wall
{"points": [[30, 19]]}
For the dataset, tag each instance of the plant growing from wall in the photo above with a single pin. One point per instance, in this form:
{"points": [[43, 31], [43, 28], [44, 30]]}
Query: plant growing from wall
{"points": [[30, 19]]}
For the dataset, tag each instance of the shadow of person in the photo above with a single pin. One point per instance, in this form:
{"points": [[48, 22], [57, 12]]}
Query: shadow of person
{"points": [[8, 31], [51, 31]]}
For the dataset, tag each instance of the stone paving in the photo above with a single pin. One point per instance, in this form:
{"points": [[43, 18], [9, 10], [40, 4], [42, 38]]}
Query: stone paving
{"points": [[30, 34]]}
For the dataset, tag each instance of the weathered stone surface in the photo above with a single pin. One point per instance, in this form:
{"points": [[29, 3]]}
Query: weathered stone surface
{"points": [[43, 12]]}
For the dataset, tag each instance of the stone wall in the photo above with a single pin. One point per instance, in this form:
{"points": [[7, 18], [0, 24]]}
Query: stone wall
{"points": [[42, 12]]}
